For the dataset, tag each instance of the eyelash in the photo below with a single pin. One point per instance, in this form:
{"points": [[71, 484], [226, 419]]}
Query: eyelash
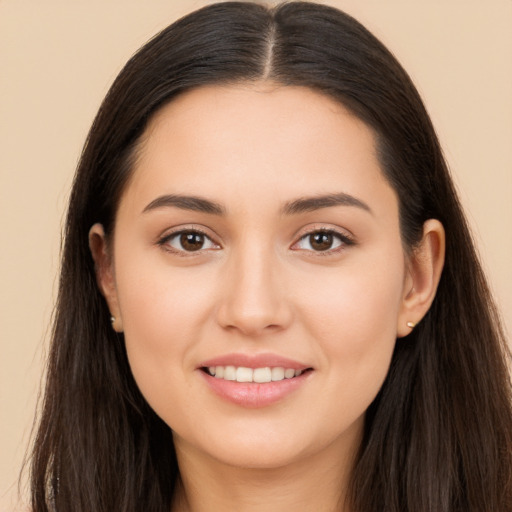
{"points": [[343, 239], [164, 241]]}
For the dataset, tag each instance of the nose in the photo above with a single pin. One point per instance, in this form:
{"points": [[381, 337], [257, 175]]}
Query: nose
{"points": [[253, 300]]}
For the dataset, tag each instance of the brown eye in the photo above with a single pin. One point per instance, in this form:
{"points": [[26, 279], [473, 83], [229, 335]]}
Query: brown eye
{"points": [[188, 241], [321, 241], [192, 241]]}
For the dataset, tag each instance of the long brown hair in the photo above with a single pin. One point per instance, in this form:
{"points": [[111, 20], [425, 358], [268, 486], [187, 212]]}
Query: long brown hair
{"points": [[437, 438]]}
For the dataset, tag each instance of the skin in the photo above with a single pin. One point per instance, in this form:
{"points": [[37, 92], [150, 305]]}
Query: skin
{"points": [[258, 285]]}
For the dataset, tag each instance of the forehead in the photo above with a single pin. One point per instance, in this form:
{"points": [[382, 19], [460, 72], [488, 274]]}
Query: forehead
{"points": [[231, 141], [252, 113]]}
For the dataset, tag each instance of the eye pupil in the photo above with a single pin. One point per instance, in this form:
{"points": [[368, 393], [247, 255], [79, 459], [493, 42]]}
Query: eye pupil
{"points": [[321, 241], [192, 241]]}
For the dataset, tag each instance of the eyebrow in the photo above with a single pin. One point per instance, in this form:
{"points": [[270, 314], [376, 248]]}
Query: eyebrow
{"points": [[301, 205], [309, 204], [193, 203]]}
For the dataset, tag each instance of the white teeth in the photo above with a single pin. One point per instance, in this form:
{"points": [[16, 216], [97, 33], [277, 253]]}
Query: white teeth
{"points": [[244, 374], [258, 375], [277, 373], [262, 375], [289, 373], [229, 373]]}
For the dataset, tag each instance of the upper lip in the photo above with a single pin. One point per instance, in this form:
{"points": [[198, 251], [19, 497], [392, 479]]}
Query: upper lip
{"points": [[254, 361]]}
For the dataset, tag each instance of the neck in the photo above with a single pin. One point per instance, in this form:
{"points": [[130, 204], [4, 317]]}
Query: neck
{"points": [[314, 483]]}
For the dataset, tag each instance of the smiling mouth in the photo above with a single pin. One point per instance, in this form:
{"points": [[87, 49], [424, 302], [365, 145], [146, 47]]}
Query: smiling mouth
{"points": [[256, 375]]}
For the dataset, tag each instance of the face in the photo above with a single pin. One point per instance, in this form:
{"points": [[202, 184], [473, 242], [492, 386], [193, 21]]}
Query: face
{"points": [[258, 240]]}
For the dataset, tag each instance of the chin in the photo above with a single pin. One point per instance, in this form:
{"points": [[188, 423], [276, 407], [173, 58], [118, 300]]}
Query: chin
{"points": [[259, 458]]}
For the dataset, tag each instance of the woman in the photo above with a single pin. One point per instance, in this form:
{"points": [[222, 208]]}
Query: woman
{"points": [[269, 295]]}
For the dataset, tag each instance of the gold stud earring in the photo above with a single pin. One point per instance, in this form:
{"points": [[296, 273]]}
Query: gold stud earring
{"points": [[411, 325]]}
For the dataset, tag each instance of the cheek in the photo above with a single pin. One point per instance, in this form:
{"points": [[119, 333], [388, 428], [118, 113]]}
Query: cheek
{"points": [[354, 320], [163, 315], [158, 302], [360, 311]]}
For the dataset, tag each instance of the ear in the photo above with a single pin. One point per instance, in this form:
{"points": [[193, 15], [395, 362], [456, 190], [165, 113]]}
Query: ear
{"points": [[105, 276], [423, 272]]}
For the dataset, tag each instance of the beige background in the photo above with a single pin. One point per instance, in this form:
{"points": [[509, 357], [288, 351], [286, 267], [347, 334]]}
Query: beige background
{"points": [[57, 59]]}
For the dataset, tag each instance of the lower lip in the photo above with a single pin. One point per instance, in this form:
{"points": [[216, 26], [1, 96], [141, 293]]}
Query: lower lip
{"points": [[252, 394]]}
